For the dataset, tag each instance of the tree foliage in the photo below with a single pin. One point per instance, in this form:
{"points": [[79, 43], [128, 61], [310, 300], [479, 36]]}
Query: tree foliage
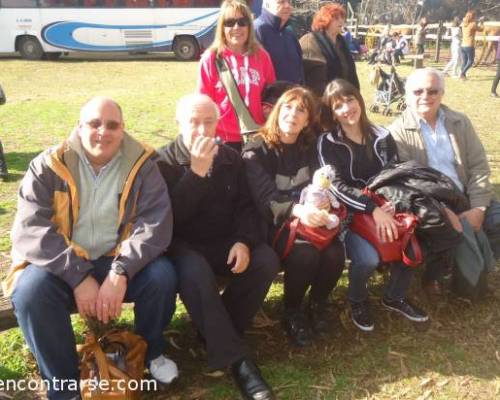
{"points": [[408, 11]]}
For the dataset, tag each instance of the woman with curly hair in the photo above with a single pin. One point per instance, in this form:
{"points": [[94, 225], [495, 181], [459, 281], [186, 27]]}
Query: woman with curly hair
{"points": [[325, 52], [280, 162]]}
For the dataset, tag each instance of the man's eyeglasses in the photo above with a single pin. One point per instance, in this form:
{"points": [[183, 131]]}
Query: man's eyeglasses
{"points": [[231, 22], [109, 125], [430, 92]]}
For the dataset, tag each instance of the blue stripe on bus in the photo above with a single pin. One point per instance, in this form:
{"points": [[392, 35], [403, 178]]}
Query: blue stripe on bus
{"points": [[60, 34]]}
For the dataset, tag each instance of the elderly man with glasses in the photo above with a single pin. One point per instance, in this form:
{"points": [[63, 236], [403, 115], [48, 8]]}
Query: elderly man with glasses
{"points": [[93, 219], [438, 137]]}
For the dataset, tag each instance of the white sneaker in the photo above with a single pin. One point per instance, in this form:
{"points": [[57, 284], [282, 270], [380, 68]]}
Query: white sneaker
{"points": [[163, 369]]}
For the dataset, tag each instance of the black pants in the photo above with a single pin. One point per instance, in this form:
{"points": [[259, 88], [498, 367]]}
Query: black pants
{"points": [[398, 55], [497, 78], [3, 163], [221, 320], [420, 49], [307, 267]]}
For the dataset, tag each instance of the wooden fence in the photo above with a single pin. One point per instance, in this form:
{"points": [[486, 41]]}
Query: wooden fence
{"points": [[437, 34]]}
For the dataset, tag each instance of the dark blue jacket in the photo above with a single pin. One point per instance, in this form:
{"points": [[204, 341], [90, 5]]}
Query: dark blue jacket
{"points": [[256, 7], [282, 45]]}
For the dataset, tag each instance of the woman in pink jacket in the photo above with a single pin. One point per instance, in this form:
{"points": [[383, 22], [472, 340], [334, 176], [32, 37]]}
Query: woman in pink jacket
{"points": [[250, 66]]}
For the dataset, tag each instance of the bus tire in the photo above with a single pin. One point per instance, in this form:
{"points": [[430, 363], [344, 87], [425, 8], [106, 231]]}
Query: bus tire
{"points": [[186, 48], [53, 56], [30, 48]]}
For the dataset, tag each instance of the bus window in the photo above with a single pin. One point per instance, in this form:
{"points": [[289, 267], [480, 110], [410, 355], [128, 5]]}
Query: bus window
{"points": [[187, 3], [181, 3], [137, 3], [163, 3], [59, 3], [17, 3], [207, 3], [101, 3]]}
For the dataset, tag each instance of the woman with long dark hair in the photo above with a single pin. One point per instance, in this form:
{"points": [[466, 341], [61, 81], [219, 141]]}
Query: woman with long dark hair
{"points": [[357, 150], [280, 162]]}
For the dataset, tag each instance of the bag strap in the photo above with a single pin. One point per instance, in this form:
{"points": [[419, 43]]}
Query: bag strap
{"points": [[291, 237], [410, 239], [245, 119], [292, 234], [417, 251], [100, 359]]}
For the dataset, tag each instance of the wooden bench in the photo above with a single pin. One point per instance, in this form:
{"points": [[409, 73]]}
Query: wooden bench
{"points": [[7, 317], [418, 59]]}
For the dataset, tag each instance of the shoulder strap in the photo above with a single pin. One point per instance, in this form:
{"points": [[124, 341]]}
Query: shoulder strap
{"points": [[245, 119]]}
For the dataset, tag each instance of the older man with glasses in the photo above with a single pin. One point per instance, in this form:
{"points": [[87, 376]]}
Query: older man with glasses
{"points": [[93, 219], [438, 137]]}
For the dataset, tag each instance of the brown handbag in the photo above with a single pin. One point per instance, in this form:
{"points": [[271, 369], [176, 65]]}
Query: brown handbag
{"points": [[108, 365]]}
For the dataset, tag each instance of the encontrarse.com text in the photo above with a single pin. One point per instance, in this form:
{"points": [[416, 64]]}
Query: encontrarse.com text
{"points": [[35, 385]]}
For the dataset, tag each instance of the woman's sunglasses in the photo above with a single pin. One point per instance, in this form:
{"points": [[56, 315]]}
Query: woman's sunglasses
{"points": [[231, 22]]}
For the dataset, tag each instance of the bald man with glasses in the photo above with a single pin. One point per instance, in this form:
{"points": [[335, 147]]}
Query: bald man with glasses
{"points": [[93, 220], [436, 136]]}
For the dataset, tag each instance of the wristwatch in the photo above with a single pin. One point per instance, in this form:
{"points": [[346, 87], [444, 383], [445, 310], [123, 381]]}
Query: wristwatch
{"points": [[119, 270]]}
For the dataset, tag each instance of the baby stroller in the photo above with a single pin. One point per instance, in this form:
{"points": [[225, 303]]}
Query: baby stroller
{"points": [[390, 89]]}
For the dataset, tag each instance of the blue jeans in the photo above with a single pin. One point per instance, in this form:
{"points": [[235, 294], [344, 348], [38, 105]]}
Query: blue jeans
{"points": [[364, 260], [43, 304], [467, 58]]}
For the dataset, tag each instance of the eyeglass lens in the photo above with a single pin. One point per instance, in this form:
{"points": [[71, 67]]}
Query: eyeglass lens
{"points": [[230, 22], [110, 125], [430, 92]]}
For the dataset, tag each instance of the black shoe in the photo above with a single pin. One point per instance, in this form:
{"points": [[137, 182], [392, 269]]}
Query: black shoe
{"points": [[361, 316], [250, 382], [298, 329], [410, 311], [317, 313]]}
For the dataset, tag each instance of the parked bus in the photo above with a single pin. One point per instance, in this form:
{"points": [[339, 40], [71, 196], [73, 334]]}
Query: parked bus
{"points": [[46, 28]]}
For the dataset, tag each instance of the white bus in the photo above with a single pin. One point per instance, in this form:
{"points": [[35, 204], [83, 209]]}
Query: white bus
{"points": [[46, 28]]}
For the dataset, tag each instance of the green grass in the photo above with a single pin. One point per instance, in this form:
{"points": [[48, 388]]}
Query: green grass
{"points": [[457, 357]]}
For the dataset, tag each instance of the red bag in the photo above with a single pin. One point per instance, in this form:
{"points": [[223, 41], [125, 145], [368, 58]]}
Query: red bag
{"points": [[397, 250], [320, 237]]}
